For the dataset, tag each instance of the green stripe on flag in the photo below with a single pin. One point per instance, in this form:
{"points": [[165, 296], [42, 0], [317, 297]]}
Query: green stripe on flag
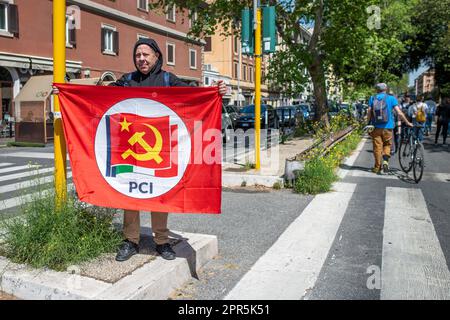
{"points": [[123, 169]]}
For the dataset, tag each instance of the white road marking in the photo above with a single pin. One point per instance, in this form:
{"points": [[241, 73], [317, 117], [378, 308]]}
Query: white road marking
{"points": [[4, 164], [351, 160], [32, 155], [18, 168], [291, 266], [428, 176], [25, 174], [413, 264], [29, 183], [17, 201]]}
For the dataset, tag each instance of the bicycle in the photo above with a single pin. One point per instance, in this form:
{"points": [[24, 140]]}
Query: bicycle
{"points": [[411, 154]]}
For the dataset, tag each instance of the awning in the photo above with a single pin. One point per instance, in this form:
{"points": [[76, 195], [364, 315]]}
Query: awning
{"points": [[35, 63], [37, 88]]}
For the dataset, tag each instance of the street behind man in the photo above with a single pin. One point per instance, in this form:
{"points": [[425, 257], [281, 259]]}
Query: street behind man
{"points": [[148, 61], [380, 115]]}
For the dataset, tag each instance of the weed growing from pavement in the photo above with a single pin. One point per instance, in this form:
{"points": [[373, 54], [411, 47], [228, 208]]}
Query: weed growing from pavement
{"points": [[46, 236], [319, 173]]}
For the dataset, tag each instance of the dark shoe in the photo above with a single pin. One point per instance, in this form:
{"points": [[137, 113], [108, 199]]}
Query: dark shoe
{"points": [[166, 251], [126, 250], [385, 166]]}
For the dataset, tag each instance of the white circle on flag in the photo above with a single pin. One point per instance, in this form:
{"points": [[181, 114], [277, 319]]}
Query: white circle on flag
{"points": [[142, 182]]}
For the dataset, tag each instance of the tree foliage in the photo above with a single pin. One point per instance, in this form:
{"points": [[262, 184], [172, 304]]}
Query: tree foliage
{"points": [[430, 41], [359, 41]]}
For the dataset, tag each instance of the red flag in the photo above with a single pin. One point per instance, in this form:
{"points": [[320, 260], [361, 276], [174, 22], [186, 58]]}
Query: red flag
{"points": [[144, 148]]}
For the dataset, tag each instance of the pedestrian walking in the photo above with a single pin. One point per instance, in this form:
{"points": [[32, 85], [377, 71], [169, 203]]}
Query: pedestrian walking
{"points": [[442, 119], [431, 111], [419, 117], [380, 115]]}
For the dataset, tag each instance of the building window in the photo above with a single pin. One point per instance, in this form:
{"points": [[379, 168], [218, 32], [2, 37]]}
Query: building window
{"points": [[70, 32], [171, 13], [206, 81], [193, 59], [208, 46], [142, 36], [244, 72], [236, 45], [142, 5], [3, 17], [250, 73], [236, 68], [192, 18], [9, 18], [110, 40], [170, 53]]}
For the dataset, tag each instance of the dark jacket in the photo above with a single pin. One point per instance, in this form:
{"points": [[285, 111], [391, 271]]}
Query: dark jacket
{"points": [[155, 78], [443, 112]]}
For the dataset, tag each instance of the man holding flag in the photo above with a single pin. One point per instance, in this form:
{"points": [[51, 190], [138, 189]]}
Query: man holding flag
{"points": [[139, 138], [148, 60]]}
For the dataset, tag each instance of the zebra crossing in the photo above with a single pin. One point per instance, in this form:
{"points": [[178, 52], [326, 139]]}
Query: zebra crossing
{"points": [[18, 182], [373, 237], [413, 263]]}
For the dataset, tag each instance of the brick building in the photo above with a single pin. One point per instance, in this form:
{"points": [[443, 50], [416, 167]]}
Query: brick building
{"points": [[100, 35]]}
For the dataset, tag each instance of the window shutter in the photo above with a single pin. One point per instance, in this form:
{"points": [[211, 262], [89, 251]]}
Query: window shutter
{"points": [[103, 39], [73, 37], [208, 46], [13, 19], [116, 42]]}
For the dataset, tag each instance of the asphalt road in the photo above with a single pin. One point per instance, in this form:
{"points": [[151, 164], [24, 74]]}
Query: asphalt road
{"points": [[253, 221]]}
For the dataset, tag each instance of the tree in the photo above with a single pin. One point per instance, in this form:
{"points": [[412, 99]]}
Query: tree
{"points": [[430, 41], [342, 40]]}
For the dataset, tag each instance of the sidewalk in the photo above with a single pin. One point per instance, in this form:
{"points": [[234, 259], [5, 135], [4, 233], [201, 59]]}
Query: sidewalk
{"points": [[273, 160], [4, 141]]}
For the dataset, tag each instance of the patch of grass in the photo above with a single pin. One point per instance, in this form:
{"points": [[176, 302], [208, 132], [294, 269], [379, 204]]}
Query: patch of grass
{"points": [[276, 186], [57, 238], [249, 165], [317, 177], [25, 144], [319, 173]]}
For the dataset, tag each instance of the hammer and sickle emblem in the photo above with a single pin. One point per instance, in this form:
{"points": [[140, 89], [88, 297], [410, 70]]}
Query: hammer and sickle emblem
{"points": [[152, 152]]}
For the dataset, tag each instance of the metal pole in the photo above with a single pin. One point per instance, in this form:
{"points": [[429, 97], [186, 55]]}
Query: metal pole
{"points": [[59, 72], [258, 56]]}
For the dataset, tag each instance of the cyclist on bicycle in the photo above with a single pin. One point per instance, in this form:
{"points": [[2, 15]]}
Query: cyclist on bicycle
{"points": [[380, 115]]}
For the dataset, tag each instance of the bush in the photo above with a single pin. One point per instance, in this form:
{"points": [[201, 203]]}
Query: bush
{"points": [[319, 173], [317, 177], [56, 238]]}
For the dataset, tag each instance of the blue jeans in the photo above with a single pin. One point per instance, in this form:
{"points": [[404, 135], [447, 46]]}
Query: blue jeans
{"points": [[419, 130], [428, 123]]}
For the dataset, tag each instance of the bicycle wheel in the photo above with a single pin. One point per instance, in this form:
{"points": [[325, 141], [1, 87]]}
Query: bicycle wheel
{"points": [[418, 163], [405, 156]]}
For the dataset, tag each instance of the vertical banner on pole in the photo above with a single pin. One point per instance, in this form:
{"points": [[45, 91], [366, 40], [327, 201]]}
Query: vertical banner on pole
{"points": [[59, 72]]}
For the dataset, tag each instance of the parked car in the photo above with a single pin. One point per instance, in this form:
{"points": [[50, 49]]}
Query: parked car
{"points": [[233, 112], [286, 116], [227, 124], [268, 116], [304, 110]]}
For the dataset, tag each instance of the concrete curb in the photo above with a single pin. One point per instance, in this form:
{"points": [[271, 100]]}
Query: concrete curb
{"points": [[236, 180], [153, 281]]}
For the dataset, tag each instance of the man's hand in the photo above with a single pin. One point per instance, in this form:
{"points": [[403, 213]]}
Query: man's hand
{"points": [[222, 87], [55, 90]]}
